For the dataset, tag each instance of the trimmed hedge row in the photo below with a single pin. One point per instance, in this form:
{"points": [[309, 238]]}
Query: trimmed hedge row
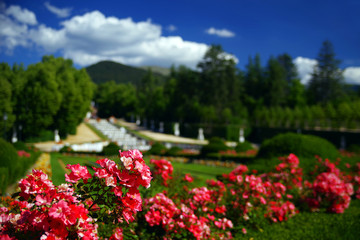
{"points": [[13, 167]]}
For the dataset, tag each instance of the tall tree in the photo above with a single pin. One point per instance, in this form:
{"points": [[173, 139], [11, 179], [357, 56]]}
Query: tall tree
{"points": [[6, 116], [326, 83], [275, 84], [286, 62], [218, 78], [254, 78]]}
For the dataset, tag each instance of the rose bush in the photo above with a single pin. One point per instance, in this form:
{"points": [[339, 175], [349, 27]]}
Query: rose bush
{"points": [[71, 211], [106, 203]]}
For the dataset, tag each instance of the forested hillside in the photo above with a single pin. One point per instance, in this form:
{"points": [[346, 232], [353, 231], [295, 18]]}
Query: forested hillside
{"points": [[107, 70]]}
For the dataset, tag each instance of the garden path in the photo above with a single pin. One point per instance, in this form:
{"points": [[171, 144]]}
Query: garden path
{"points": [[83, 135]]}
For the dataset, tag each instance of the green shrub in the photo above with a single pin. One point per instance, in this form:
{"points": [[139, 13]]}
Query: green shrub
{"points": [[354, 148], [4, 178], [300, 145], [111, 149], [66, 149], [215, 145], [9, 159], [173, 151], [20, 146], [243, 147], [157, 149]]}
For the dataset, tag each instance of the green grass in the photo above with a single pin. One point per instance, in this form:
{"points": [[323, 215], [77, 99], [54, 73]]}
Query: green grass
{"points": [[58, 173], [319, 226]]}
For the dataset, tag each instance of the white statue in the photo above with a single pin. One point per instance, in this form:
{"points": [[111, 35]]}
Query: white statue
{"points": [[241, 136], [177, 129], [57, 137], [201, 134]]}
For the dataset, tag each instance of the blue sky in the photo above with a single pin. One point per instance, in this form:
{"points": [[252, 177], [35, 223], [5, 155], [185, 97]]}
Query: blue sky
{"points": [[179, 32]]}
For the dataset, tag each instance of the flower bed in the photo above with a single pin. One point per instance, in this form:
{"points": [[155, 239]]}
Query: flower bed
{"points": [[108, 203]]}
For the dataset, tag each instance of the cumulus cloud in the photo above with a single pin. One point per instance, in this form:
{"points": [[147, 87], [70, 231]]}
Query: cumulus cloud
{"points": [[352, 75], [220, 32], [21, 15], [59, 12], [305, 67], [93, 37], [14, 26]]}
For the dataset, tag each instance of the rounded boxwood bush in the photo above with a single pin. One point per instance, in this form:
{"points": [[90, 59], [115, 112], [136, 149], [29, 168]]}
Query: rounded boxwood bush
{"points": [[215, 145], [111, 149], [173, 151], [243, 147], [299, 144], [157, 149]]}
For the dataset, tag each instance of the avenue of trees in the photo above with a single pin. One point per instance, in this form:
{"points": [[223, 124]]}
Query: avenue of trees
{"points": [[47, 96], [218, 93]]}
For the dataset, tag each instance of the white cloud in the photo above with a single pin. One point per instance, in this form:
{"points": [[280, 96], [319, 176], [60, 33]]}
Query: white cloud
{"points": [[59, 12], [305, 67], [92, 37], [171, 28], [21, 15], [220, 32], [14, 26], [352, 75]]}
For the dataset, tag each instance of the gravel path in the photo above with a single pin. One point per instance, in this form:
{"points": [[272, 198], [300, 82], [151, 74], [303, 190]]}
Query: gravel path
{"points": [[83, 134]]}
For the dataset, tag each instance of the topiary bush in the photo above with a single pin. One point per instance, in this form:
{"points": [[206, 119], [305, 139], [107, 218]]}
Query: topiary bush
{"points": [[111, 149], [243, 147], [173, 151], [157, 149], [9, 161], [301, 145], [215, 145]]}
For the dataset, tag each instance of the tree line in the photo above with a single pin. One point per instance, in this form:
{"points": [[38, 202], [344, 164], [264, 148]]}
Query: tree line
{"points": [[47, 96], [217, 92]]}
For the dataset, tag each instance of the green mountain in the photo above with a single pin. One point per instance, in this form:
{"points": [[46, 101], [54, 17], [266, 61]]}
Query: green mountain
{"points": [[107, 70]]}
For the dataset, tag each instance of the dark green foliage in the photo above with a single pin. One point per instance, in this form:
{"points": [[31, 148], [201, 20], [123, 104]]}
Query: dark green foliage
{"points": [[49, 95], [327, 83], [355, 148], [300, 145], [243, 147], [215, 145], [173, 151], [4, 178], [66, 149], [9, 159], [20, 146], [104, 71], [111, 150], [157, 149]]}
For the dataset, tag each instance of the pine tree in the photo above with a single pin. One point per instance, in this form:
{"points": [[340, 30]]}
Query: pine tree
{"points": [[326, 83]]}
